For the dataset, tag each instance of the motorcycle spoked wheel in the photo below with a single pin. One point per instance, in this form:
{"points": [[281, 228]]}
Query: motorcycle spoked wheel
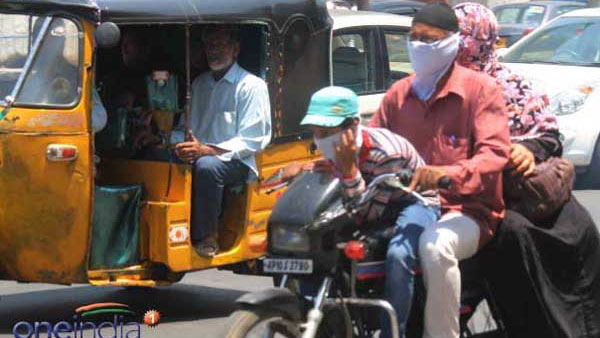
{"points": [[259, 323]]}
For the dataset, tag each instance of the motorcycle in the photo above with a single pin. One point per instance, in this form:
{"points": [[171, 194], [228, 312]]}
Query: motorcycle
{"points": [[313, 240]]}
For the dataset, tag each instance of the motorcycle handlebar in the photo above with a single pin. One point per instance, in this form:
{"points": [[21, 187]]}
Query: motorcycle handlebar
{"points": [[399, 180]]}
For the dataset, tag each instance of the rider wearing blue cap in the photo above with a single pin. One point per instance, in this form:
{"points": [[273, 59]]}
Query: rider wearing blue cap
{"points": [[358, 154]]}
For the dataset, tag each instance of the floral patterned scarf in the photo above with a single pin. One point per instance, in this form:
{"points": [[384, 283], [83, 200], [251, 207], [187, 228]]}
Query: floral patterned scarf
{"points": [[527, 109]]}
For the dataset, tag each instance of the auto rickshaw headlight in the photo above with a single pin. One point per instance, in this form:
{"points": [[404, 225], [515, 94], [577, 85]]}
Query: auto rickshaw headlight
{"points": [[285, 238]]}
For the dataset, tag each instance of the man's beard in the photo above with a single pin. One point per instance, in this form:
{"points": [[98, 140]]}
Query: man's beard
{"points": [[224, 63]]}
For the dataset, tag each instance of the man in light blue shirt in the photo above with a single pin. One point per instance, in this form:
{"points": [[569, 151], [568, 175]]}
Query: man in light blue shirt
{"points": [[230, 122]]}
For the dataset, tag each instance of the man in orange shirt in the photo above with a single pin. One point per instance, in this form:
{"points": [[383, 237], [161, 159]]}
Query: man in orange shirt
{"points": [[455, 119]]}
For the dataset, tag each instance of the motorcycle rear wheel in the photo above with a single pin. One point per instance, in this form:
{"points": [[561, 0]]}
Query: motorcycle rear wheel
{"points": [[258, 323]]}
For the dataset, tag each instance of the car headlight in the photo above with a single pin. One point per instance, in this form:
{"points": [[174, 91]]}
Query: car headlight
{"points": [[570, 101], [286, 238]]}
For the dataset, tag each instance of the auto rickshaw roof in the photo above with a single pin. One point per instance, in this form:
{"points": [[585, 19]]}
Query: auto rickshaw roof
{"points": [[278, 12], [81, 8]]}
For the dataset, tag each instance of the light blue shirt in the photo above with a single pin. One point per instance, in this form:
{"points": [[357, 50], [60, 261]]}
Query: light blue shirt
{"points": [[233, 113]]}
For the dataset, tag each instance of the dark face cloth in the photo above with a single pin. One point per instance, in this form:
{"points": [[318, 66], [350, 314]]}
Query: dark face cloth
{"points": [[437, 15]]}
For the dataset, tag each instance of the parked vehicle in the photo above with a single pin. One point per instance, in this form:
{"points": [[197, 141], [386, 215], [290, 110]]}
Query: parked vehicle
{"points": [[66, 217], [563, 58], [400, 7], [369, 53], [516, 20], [313, 238]]}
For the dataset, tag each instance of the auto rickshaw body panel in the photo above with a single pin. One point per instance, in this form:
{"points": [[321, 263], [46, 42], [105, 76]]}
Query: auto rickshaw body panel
{"points": [[46, 199]]}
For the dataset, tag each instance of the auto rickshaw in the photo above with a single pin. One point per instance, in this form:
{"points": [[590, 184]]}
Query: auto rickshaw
{"points": [[77, 210]]}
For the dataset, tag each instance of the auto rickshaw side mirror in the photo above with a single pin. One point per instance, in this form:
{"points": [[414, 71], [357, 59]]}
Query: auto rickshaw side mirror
{"points": [[107, 35]]}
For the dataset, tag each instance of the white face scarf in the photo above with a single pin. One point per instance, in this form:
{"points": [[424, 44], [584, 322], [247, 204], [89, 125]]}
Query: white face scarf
{"points": [[327, 144], [430, 62]]}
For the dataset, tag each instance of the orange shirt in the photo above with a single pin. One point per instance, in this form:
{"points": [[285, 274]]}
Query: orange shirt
{"points": [[464, 129]]}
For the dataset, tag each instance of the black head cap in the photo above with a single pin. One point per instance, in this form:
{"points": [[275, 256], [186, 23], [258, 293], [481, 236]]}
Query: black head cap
{"points": [[439, 15]]}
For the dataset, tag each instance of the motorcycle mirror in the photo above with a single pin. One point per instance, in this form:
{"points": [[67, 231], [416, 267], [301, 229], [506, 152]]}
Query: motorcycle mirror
{"points": [[107, 35]]}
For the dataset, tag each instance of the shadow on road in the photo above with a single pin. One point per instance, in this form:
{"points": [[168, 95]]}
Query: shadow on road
{"points": [[180, 302]]}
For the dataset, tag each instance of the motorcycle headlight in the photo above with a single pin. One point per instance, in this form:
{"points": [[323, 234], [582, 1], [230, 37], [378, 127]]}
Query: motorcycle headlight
{"points": [[570, 101], [286, 238]]}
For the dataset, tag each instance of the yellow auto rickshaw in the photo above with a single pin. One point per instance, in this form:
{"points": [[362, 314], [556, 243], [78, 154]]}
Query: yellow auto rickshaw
{"points": [[83, 207]]}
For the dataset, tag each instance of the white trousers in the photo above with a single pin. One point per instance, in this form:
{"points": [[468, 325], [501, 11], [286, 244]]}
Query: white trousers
{"points": [[441, 246]]}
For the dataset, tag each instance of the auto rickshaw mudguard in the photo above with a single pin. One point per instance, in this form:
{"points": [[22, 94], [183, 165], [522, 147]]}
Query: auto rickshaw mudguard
{"points": [[281, 300]]}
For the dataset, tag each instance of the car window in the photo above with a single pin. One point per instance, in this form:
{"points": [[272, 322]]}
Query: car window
{"points": [[508, 15], [564, 9], [533, 15], [574, 41], [529, 15], [354, 60], [398, 61]]}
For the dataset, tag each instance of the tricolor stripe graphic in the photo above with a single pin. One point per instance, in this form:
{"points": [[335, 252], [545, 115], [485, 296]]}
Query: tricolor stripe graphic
{"points": [[103, 308]]}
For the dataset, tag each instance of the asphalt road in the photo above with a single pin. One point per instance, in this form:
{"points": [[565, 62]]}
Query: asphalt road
{"points": [[195, 307]]}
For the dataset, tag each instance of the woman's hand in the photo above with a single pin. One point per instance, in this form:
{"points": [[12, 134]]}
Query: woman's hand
{"points": [[522, 161]]}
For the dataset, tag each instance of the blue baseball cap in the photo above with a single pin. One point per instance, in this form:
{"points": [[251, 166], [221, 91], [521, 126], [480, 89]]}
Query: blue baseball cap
{"points": [[330, 106]]}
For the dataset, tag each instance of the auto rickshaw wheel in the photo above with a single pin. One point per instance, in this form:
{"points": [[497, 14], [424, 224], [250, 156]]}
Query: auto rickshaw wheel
{"points": [[161, 272], [174, 277]]}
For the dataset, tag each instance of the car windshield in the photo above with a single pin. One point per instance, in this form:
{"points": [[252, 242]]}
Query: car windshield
{"points": [[568, 40], [49, 77], [528, 15]]}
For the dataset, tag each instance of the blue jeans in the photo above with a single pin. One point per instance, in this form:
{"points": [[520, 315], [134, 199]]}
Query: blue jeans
{"points": [[209, 178], [401, 260]]}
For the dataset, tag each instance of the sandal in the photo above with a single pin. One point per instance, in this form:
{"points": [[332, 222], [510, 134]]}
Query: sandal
{"points": [[207, 248]]}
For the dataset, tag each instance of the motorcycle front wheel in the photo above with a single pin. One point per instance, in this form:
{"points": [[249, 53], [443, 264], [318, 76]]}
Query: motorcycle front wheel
{"points": [[259, 323]]}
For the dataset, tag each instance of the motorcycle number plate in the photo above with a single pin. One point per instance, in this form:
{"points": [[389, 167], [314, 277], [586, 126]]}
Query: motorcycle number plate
{"points": [[288, 265]]}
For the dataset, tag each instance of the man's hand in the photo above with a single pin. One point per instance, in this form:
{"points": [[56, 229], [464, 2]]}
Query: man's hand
{"points": [[522, 161], [426, 178], [323, 166], [346, 154], [190, 151], [293, 169]]}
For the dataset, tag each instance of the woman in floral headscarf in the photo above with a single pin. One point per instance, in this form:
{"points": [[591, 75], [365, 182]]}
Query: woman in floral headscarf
{"points": [[532, 126], [545, 279]]}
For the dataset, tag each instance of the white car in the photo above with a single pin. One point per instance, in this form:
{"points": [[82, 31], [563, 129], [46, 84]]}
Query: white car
{"points": [[563, 58], [368, 54]]}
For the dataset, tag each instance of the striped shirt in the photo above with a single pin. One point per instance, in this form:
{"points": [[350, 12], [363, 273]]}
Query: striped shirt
{"points": [[383, 152]]}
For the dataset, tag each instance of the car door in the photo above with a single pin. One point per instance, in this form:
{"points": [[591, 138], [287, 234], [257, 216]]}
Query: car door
{"points": [[45, 151], [356, 64]]}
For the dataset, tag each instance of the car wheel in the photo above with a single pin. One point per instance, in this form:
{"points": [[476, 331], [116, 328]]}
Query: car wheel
{"points": [[591, 178]]}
